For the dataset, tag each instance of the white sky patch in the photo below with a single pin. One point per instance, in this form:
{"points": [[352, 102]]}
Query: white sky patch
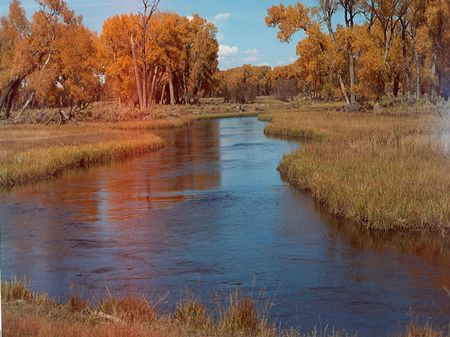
{"points": [[221, 18], [251, 56], [252, 52], [190, 17], [220, 37], [225, 50], [251, 59]]}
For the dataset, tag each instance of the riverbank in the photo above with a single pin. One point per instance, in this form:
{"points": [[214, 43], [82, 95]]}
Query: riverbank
{"points": [[29, 314], [30, 153], [382, 171]]}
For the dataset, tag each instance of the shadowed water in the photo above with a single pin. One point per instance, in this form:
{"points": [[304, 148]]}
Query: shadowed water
{"points": [[210, 214]]}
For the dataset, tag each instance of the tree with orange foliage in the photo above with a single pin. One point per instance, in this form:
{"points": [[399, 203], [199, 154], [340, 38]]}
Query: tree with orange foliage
{"points": [[51, 58], [202, 50], [116, 56], [181, 57]]}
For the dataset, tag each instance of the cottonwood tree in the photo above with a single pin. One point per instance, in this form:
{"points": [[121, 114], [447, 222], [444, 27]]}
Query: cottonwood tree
{"points": [[384, 48], [328, 9], [351, 9], [319, 58], [51, 58], [149, 8], [201, 59], [181, 58]]}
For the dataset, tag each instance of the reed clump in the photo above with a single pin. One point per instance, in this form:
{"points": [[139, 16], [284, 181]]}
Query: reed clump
{"points": [[385, 172], [26, 314], [34, 315]]}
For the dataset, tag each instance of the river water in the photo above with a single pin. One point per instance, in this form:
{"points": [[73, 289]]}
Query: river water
{"points": [[207, 215]]}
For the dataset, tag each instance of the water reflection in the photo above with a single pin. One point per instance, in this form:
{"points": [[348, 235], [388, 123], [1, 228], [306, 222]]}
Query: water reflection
{"points": [[210, 213]]}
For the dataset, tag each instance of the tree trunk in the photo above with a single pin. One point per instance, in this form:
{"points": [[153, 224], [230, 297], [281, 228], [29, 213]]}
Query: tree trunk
{"points": [[172, 94], [352, 74], [7, 96], [136, 73], [162, 94], [343, 89], [24, 107], [144, 77], [10, 99], [405, 69], [185, 90], [152, 89], [348, 17], [341, 81], [417, 62], [434, 77], [396, 87]]}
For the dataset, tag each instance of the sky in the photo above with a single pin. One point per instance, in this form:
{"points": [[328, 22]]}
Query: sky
{"points": [[242, 34]]}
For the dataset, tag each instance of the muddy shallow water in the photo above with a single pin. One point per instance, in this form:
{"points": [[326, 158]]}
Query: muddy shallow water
{"points": [[209, 214]]}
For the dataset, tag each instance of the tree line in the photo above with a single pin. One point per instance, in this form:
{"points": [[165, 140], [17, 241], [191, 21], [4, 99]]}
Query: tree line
{"points": [[53, 60], [378, 48], [243, 84]]}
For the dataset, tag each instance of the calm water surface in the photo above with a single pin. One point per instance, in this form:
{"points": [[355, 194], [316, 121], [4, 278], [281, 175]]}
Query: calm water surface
{"points": [[209, 214]]}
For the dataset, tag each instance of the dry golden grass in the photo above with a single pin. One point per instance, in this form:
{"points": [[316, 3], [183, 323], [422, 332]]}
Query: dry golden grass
{"points": [[32, 153], [382, 171], [34, 315], [30, 316]]}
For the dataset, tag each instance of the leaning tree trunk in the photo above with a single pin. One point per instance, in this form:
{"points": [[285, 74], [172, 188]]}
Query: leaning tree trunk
{"points": [[24, 107], [136, 73], [8, 94]]}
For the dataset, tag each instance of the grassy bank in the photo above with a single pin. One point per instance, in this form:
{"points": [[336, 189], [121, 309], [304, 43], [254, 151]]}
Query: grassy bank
{"points": [[27, 314], [42, 164], [34, 152], [386, 172]]}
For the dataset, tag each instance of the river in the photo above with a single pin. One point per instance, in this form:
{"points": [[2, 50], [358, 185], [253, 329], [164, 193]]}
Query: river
{"points": [[209, 214]]}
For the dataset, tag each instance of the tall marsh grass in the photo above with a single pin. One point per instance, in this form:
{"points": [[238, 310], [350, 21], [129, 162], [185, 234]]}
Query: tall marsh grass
{"points": [[43, 163], [383, 172]]}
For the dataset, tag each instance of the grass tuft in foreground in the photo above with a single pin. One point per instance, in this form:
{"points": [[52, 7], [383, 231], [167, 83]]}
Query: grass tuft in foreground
{"points": [[34, 315]]}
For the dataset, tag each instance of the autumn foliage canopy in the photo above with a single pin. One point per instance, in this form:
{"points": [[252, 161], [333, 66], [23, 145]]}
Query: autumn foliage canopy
{"points": [[352, 50]]}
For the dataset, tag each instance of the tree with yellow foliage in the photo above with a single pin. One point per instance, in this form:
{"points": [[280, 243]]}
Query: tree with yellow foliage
{"points": [[389, 47]]}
